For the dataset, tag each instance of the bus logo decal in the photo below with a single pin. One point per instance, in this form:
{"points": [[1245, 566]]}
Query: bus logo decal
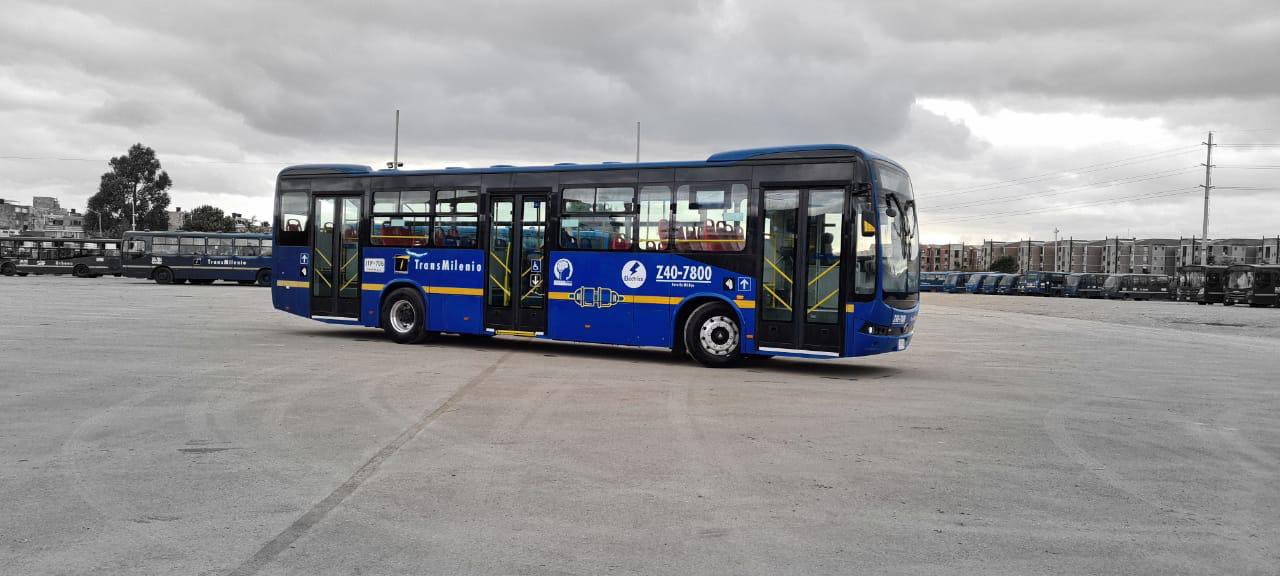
{"points": [[633, 274], [563, 271]]}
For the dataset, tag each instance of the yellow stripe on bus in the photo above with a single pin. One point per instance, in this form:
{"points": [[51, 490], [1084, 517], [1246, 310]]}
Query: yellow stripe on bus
{"points": [[453, 291], [293, 284], [373, 287]]}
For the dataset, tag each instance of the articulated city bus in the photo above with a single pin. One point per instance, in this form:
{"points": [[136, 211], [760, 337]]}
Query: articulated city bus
{"points": [[198, 257], [80, 257], [808, 251]]}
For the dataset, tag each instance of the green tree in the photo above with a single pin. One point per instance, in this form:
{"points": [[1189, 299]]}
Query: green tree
{"points": [[209, 219], [1006, 264], [135, 182]]}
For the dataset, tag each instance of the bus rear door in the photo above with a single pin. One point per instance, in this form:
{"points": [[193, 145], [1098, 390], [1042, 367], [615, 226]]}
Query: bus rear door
{"points": [[516, 264], [800, 300]]}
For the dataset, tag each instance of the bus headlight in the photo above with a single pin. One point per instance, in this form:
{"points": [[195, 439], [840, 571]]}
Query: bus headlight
{"points": [[878, 330]]}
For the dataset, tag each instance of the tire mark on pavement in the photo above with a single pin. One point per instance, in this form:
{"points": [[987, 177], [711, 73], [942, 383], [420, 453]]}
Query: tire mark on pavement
{"points": [[318, 512]]}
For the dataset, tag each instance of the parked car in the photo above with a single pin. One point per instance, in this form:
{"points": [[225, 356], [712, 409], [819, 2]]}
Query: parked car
{"points": [[1253, 285], [1136, 287]]}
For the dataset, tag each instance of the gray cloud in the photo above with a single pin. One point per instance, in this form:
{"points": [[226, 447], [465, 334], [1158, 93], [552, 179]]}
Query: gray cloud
{"points": [[489, 81]]}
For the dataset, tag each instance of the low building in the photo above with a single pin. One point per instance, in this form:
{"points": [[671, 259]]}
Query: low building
{"points": [[1270, 251], [1155, 256], [1230, 251]]}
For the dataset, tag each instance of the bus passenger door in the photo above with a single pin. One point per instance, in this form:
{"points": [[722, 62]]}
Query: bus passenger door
{"points": [[335, 260], [516, 264], [800, 295]]}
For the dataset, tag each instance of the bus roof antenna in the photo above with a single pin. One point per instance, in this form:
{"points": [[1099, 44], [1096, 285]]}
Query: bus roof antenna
{"points": [[395, 162]]}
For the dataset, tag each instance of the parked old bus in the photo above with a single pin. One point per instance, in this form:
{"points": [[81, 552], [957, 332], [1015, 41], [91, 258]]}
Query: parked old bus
{"points": [[198, 257], [79, 257], [1083, 285], [955, 282], [1255, 285], [1201, 284], [807, 251], [932, 281], [1136, 287]]}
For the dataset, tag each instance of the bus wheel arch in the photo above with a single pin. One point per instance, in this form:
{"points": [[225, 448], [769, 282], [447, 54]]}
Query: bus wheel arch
{"points": [[162, 275], [703, 306], [403, 314]]}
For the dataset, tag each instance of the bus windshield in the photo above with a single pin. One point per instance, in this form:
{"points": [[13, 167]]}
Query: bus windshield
{"points": [[1240, 280], [899, 243]]}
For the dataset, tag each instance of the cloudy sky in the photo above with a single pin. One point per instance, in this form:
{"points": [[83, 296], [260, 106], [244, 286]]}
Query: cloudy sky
{"points": [[1014, 117]]}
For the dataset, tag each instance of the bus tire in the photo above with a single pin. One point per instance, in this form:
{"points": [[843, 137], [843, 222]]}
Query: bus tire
{"points": [[80, 271], [8, 269], [264, 277], [404, 316], [162, 275], [712, 335]]}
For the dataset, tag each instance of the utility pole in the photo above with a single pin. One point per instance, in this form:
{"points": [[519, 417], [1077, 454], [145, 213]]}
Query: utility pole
{"points": [[1056, 252], [395, 162], [1208, 185], [637, 141]]}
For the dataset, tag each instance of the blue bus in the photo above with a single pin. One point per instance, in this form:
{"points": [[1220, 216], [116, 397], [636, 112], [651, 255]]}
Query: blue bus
{"points": [[79, 257], [806, 251], [198, 257], [932, 281], [955, 282]]}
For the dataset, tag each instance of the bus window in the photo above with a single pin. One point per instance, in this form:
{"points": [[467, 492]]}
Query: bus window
{"points": [[711, 218], [246, 247], [597, 218], [266, 247], [864, 269], [111, 249], [220, 247], [135, 246], [293, 218], [456, 221], [655, 214], [190, 246]]}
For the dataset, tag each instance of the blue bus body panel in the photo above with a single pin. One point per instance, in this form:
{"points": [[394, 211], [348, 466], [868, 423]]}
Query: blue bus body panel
{"points": [[450, 280], [290, 289]]}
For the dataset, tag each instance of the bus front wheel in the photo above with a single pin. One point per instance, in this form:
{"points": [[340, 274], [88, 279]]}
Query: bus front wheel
{"points": [[163, 276], [404, 317], [8, 269], [80, 271], [712, 335]]}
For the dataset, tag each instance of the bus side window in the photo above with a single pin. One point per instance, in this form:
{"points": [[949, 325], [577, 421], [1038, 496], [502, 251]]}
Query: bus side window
{"points": [[655, 218], [266, 247], [711, 218], [864, 269], [294, 208]]}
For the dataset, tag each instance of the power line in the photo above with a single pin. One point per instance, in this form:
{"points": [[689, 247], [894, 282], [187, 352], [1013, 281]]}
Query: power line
{"points": [[1118, 200], [1059, 191], [1086, 169]]}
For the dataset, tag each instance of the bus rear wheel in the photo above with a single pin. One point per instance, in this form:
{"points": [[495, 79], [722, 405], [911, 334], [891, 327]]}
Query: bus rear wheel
{"points": [[712, 336], [8, 269], [163, 276], [404, 317], [264, 278]]}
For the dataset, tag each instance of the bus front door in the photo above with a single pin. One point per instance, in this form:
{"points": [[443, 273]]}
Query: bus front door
{"points": [[799, 300], [335, 257], [516, 264]]}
